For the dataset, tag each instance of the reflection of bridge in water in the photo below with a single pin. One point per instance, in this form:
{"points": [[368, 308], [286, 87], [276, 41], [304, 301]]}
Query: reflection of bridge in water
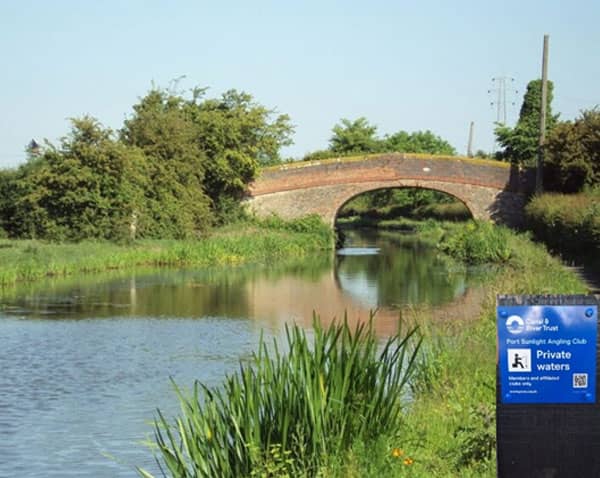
{"points": [[490, 189], [292, 299]]}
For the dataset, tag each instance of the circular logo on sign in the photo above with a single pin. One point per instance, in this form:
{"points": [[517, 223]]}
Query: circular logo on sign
{"points": [[515, 324]]}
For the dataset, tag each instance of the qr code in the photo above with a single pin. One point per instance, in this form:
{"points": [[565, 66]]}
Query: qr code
{"points": [[580, 380]]}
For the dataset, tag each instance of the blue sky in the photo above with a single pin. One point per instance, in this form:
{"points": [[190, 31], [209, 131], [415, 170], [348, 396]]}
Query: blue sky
{"points": [[409, 65]]}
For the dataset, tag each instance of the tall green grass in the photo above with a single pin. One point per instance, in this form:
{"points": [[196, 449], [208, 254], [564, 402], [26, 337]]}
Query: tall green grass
{"points": [[477, 242], [286, 414], [568, 223], [256, 241]]}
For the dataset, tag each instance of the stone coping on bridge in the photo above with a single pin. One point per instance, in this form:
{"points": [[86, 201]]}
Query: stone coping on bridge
{"points": [[399, 156]]}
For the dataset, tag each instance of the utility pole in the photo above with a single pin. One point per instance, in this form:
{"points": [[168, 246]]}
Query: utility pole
{"points": [[470, 145], [539, 175]]}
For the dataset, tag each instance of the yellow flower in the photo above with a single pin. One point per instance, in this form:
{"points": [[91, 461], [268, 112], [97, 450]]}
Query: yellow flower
{"points": [[397, 452], [408, 461]]}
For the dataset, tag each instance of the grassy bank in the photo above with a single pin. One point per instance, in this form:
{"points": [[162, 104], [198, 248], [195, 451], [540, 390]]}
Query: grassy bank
{"points": [[447, 429], [450, 428], [567, 223], [249, 242]]}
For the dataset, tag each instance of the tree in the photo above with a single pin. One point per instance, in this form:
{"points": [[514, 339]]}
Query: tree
{"points": [[359, 137], [177, 203], [573, 154], [521, 142], [7, 199], [418, 142], [237, 135], [356, 136], [215, 145], [87, 187]]}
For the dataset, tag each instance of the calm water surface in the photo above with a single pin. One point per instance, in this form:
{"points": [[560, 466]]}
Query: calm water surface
{"points": [[86, 361]]}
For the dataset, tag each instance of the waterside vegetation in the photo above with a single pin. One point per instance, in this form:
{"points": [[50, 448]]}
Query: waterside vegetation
{"points": [[286, 413], [445, 429], [179, 165], [450, 426], [252, 241], [399, 208], [567, 223]]}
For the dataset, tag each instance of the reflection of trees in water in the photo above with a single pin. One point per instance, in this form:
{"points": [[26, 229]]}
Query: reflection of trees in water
{"points": [[405, 271], [154, 292]]}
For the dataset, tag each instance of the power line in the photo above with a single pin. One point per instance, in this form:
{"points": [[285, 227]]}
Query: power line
{"points": [[502, 86]]}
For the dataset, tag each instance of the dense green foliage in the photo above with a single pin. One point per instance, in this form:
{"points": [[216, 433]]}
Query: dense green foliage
{"points": [[520, 144], [89, 186], [356, 136], [178, 166], [255, 242], [360, 137], [571, 148], [572, 154], [285, 414], [477, 243], [417, 142], [415, 203], [567, 223], [222, 141], [7, 199]]}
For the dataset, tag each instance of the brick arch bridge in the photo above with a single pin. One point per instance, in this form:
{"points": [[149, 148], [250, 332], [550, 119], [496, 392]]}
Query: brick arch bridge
{"points": [[491, 190]]}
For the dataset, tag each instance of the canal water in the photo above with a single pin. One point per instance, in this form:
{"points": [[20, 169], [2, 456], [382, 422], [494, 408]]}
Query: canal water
{"points": [[85, 362]]}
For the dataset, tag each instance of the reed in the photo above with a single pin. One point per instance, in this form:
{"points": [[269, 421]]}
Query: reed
{"points": [[291, 411]]}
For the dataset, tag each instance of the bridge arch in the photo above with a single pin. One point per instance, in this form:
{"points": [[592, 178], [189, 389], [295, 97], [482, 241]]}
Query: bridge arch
{"points": [[491, 190], [402, 187]]}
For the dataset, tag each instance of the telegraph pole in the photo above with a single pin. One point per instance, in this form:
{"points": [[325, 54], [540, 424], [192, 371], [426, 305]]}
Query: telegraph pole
{"points": [[539, 175]]}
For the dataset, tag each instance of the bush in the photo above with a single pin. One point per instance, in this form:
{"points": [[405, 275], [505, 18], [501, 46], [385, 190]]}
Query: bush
{"points": [[290, 412], [455, 211], [477, 243], [573, 154], [568, 223], [310, 224]]}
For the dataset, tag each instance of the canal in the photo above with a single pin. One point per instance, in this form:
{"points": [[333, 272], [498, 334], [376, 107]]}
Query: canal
{"points": [[86, 361]]}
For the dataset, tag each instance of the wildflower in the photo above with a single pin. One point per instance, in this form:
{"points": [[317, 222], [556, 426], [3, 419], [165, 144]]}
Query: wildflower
{"points": [[397, 452], [408, 461]]}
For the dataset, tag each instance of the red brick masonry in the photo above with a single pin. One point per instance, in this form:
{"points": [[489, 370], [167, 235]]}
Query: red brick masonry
{"points": [[490, 189]]}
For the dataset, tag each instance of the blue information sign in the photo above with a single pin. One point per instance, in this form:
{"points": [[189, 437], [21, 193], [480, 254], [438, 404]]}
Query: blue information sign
{"points": [[547, 353]]}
